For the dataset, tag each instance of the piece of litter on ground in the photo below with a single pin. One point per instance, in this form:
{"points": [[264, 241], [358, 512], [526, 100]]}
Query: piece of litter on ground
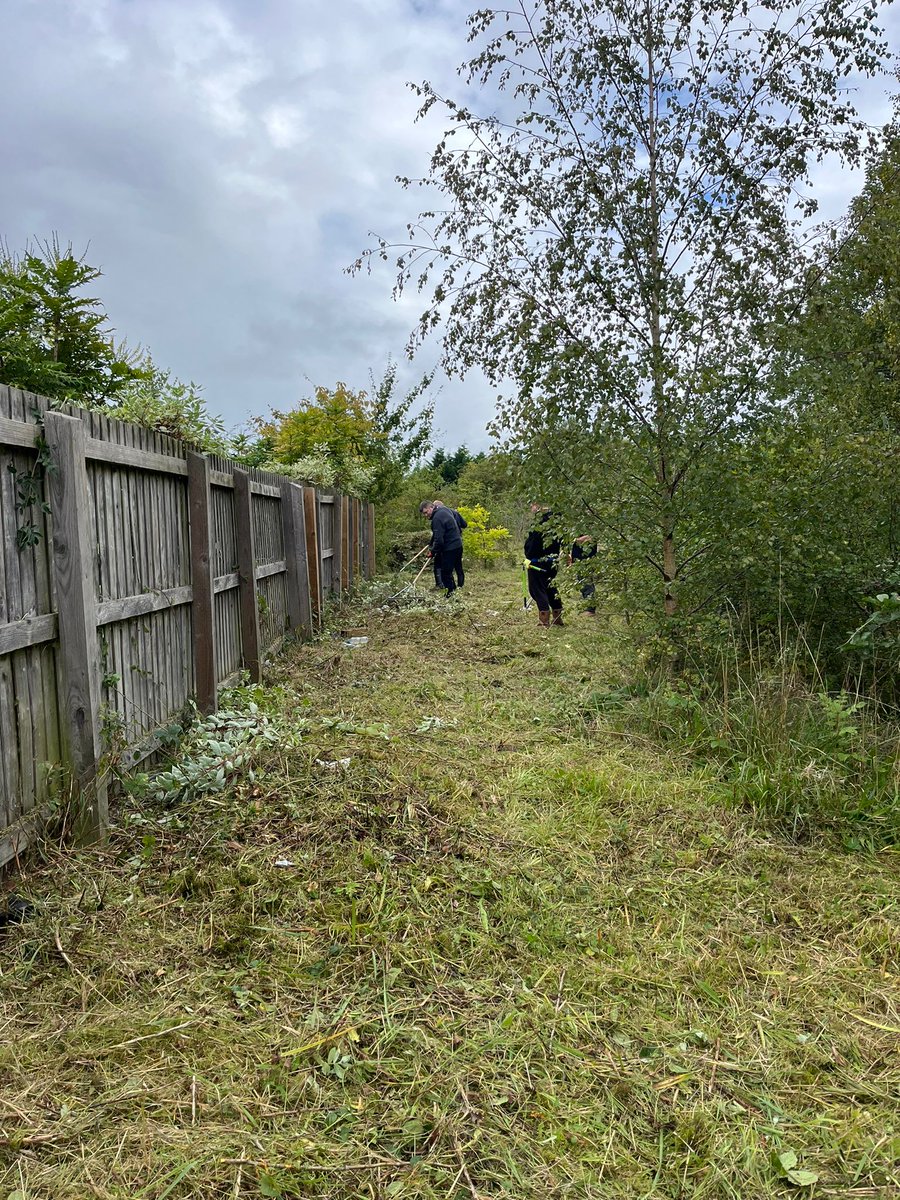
{"points": [[284, 862], [18, 911], [434, 723], [353, 642], [333, 765]]}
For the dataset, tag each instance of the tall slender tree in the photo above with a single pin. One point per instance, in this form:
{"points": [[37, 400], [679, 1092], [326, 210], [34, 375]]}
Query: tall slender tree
{"points": [[620, 229]]}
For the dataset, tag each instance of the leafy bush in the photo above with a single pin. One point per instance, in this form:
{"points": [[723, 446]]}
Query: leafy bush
{"points": [[158, 401], [351, 475], [54, 339], [480, 541], [880, 628], [877, 640], [404, 546]]}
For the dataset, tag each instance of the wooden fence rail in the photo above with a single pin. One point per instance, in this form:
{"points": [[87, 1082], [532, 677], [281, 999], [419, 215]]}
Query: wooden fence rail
{"points": [[143, 576]]}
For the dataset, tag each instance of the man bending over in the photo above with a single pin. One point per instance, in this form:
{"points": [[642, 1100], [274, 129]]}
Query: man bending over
{"points": [[446, 541]]}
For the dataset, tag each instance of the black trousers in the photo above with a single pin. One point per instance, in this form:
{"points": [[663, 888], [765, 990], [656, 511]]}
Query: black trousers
{"points": [[451, 564], [542, 589], [438, 574]]}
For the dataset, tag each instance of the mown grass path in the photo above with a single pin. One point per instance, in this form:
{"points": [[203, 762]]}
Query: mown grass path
{"points": [[518, 953]]}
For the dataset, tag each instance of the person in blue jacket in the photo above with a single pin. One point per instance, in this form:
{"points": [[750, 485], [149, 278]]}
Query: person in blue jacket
{"points": [[446, 541]]}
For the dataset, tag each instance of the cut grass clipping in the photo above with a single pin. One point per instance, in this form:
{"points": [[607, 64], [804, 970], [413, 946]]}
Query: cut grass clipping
{"points": [[431, 926]]}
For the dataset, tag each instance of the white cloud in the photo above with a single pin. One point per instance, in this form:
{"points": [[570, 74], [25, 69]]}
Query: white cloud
{"points": [[226, 160]]}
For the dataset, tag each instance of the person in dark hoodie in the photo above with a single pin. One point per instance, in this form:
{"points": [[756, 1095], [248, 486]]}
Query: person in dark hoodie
{"points": [[542, 550], [446, 541], [436, 558]]}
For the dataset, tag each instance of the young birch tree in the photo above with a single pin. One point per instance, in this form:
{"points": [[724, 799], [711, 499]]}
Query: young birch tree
{"points": [[618, 228]]}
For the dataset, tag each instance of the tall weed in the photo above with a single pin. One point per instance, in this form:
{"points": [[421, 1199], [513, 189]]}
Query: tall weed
{"points": [[801, 757]]}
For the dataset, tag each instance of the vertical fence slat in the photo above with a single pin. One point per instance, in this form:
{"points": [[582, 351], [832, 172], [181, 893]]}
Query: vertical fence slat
{"points": [[337, 557], [357, 541], [246, 565], [77, 609], [351, 541], [313, 550], [359, 535], [296, 558], [353, 534], [343, 533], [203, 600], [370, 540]]}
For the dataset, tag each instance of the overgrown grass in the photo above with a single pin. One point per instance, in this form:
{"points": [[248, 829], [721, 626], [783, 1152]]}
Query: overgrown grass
{"points": [[515, 948], [808, 761]]}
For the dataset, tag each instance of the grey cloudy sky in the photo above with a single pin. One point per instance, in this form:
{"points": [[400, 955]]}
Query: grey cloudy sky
{"points": [[225, 160]]}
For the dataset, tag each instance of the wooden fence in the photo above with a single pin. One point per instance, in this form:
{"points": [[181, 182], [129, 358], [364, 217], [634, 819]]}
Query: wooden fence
{"points": [[144, 576]]}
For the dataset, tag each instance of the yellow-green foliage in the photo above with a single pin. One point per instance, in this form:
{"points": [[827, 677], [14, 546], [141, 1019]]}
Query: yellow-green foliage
{"points": [[479, 540], [336, 421]]}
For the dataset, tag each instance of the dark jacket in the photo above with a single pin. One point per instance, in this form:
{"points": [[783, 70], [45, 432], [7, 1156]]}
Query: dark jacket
{"points": [[542, 546], [580, 551], [445, 533], [460, 519]]}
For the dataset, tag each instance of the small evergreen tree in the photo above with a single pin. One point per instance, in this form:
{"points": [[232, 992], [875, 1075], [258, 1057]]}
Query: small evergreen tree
{"points": [[54, 339]]}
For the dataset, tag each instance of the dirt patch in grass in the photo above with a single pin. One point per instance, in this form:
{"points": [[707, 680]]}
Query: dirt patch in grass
{"points": [[501, 952]]}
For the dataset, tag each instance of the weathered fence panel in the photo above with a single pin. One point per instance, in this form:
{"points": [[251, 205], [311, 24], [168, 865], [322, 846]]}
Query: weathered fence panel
{"points": [[29, 698], [156, 576], [313, 551], [329, 528]]}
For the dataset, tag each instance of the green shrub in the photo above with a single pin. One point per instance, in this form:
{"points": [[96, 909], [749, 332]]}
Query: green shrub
{"points": [[219, 750], [157, 400], [404, 546], [876, 643], [481, 542]]}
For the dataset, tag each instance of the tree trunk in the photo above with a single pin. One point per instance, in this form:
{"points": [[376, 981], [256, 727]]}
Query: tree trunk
{"points": [[669, 570], [658, 384]]}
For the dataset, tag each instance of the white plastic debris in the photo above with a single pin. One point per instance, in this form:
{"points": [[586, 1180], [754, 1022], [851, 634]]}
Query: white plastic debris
{"points": [[284, 862], [338, 764], [354, 642]]}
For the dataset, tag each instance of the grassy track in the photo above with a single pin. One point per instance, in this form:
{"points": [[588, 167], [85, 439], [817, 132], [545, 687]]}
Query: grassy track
{"points": [[518, 954]]}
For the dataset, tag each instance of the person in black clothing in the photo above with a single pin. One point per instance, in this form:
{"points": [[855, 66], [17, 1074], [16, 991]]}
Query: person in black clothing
{"points": [[436, 558], [446, 541], [583, 548], [542, 549]]}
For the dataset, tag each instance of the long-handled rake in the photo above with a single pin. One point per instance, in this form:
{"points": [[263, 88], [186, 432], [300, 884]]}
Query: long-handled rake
{"points": [[412, 583], [410, 561]]}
